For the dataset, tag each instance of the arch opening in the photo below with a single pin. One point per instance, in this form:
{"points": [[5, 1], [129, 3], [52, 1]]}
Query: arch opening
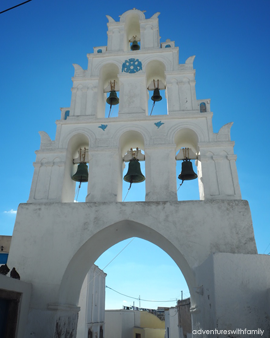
{"points": [[186, 138], [96, 246], [156, 79], [132, 140], [108, 85], [78, 149], [132, 30]]}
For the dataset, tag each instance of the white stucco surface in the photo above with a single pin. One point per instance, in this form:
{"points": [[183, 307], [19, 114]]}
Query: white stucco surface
{"points": [[56, 241], [71, 236]]}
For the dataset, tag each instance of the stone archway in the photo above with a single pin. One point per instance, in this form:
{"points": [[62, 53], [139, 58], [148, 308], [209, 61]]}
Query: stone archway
{"points": [[103, 240], [64, 240]]}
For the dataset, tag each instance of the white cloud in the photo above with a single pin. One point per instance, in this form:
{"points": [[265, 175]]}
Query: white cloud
{"points": [[11, 211]]}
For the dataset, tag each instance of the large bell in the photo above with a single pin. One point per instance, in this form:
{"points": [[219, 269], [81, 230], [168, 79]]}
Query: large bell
{"points": [[135, 45], [112, 99], [82, 173], [156, 95], [134, 174], [187, 172]]}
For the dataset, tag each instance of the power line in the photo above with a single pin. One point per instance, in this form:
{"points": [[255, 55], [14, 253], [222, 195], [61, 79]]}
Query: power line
{"points": [[15, 6], [118, 253], [145, 300]]}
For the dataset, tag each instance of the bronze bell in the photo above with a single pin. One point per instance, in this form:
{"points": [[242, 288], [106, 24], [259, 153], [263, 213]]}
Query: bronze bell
{"points": [[187, 172], [156, 95], [112, 99], [135, 45], [134, 174], [82, 173]]}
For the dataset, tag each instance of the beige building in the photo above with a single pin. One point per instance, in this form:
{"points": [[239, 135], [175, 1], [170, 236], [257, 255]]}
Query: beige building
{"points": [[133, 324]]}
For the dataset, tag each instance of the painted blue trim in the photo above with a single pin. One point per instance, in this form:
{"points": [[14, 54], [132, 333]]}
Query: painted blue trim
{"points": [[99, 51], [3, 258], [66, 114], [159, 124], [168, 46], [103, 126]]}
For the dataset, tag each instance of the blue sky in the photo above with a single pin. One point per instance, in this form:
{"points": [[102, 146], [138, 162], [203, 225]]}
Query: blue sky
{"points": [[42, 39]]}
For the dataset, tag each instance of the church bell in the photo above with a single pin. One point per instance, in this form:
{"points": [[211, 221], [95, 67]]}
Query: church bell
{"points": [[134, 174], [156, 95], [187, 172], [135, 45], [81, 174], [112, 99]]}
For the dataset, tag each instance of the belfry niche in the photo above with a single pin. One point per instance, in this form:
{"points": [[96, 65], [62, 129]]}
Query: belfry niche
{"points": [[211, 240]]}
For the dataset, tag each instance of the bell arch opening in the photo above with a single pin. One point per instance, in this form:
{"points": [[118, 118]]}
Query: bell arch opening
{"points": [[132, 32], [108, 91], [186, 141], [156, 88], [76, 163], [131, 144]]}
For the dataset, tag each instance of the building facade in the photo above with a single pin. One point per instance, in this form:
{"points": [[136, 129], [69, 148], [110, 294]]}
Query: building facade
{"points": [[211, 240], [133, 324], [91, 322]]}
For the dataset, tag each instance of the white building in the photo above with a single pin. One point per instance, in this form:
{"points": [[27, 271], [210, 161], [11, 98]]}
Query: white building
{"points": [[178, 320], [92, 305], [211, 240]]}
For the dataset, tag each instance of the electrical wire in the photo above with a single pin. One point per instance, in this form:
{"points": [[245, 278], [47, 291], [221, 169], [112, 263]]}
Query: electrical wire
{"points": [[118, 253], [266, 249], [15, 6], [112, 259], [145, 300]]}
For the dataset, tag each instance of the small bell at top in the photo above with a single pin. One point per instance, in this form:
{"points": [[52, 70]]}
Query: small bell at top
{"points": [[135, 45], [187, 172]]}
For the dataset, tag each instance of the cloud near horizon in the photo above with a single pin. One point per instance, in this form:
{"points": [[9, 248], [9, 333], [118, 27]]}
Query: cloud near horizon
{"points": [[11, 211]]}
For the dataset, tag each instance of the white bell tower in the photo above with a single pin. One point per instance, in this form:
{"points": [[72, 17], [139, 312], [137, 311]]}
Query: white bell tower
{"points": [[187, 123], [211, 240]]}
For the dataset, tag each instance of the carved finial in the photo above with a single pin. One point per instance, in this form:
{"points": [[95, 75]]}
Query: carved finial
{"points": [[110, 18], [190, 60], [155, 16]]}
